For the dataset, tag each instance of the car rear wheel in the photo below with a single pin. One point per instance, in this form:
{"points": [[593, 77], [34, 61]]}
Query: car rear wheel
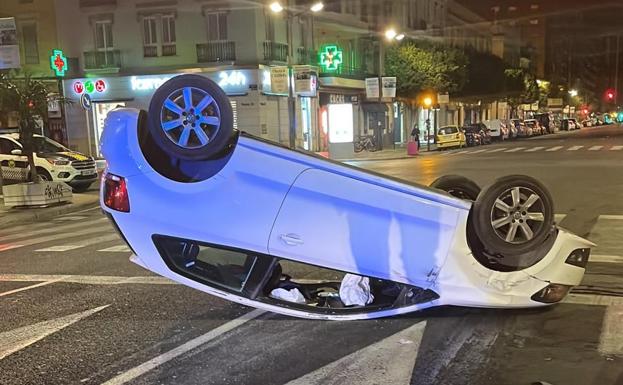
{"points": [[190, 118], [44, 175], [513, 216], [457, 186]]}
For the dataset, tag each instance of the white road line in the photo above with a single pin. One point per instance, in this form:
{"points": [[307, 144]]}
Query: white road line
{"points": [[69, 218], [20, 338], [29, 287], [612, 217], [461, 152], [375, 364], [87, 279], [574, 148], [85, 243], [515, 149], [534, 149], [616, 148], [117, 249], [555, 148], [478, 151], [559, 217], [54, 228], [595, 148], [599, 258], [55, 237], [498, 149], [590, 299], [188, 346]]}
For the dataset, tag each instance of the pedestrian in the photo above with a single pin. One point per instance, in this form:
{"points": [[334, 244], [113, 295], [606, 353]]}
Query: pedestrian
{"points": [[415, 134]]}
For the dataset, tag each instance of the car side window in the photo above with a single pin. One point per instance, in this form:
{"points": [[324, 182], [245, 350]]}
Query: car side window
{"points": [[6, 146]]}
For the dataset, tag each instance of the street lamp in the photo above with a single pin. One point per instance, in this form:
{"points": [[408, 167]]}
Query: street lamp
{"points": [[573, 93], [317, 7], [428, 101], [390, 34], [276, 7], [400, 36]]}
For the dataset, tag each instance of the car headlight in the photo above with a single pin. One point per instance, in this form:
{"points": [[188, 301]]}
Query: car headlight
{"points": [[551, 293], [58, 162], [578, 257]]}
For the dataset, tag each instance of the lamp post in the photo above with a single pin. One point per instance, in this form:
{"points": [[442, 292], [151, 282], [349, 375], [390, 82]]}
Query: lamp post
{"points": [[428, 102], [276, 7], [390, 35]]}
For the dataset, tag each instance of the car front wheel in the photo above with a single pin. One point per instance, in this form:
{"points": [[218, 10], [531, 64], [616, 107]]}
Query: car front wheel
{"points": [[457, 186]]}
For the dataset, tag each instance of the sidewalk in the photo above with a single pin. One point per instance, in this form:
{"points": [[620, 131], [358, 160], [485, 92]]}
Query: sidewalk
{"points": [[11, 216], [400, 152]]}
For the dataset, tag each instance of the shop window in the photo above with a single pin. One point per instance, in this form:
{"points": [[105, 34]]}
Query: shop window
{"points": [[217, 26], [31, 45], [103, 35], [150, 37]]}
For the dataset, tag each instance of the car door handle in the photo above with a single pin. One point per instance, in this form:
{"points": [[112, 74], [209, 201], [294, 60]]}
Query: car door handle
{"points": [[291, 239]]}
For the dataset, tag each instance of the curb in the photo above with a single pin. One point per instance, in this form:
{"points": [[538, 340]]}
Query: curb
{"points": [[37, 214]]}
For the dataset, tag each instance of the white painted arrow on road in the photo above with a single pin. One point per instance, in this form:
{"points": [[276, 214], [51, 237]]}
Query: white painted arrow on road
{"points": [[17, 339], [389, 361]]}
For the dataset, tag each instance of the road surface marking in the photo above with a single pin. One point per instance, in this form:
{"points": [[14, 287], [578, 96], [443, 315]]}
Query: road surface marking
{"points": [[117, 249], [478, 151], [86, 279], [515, 149], [498, 149], [10, 247], [595, 148], [612, 217], [85, 243], [69, 218], [590, 299], [17, 339], [616, 148], [534, 149], [55, 237], [606, 258], [389, 361], [555, 148], [54, 228], [188, 346], [47, 282], [559, 217], [574, 148], [461, 152]]}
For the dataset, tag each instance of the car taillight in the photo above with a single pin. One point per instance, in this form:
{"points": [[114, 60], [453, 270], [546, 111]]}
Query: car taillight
{"points": [[116, 193], [579, 257], [551, 293]]}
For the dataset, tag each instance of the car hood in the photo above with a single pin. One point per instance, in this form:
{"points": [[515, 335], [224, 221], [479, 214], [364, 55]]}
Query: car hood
{"points": [[66, 155]]}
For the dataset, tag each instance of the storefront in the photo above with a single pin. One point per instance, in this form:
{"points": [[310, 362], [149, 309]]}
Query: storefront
{"points": [[255, 111]]}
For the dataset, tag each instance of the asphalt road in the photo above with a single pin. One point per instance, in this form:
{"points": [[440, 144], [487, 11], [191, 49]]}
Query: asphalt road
{"points": [[74, 310]]}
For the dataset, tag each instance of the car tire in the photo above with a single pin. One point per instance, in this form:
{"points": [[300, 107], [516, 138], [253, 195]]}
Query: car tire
{"points": [[458, 186], [190, 117], [44, 174], [513, 215]]}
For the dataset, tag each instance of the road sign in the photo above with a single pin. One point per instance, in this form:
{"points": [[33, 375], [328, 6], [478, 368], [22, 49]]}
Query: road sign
{"points": [[85, 101]]}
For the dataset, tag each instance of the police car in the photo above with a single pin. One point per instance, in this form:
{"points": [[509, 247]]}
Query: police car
{"points": [[54, 162]]}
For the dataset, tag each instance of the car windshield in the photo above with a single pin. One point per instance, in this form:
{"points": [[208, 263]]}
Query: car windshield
{"points": [[45, 145], [448, 130]]}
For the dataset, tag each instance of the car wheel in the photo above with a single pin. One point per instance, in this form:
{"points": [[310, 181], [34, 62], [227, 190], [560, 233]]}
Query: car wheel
{"points": [[44, 174], [457, 186], [190, 117], [513, 215], [80, 188]]}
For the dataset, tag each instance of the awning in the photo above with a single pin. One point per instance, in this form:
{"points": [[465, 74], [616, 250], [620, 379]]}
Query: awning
{"points": [[374, 107]]}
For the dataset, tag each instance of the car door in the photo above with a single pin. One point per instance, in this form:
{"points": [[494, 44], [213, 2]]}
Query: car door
{"points": [[347, 224], [14, 167]]}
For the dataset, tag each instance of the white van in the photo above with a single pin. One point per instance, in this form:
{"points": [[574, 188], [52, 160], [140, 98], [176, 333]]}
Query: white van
{"points": [[497, 129]]}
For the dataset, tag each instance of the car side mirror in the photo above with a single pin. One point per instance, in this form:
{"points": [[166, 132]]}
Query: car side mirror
{"points": [[16, 151]]}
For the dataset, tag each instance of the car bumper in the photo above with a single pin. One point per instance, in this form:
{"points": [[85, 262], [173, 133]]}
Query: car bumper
{"points": [[454, 143]]}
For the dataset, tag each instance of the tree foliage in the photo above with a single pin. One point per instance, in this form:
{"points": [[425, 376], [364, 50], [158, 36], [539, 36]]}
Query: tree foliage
{"points": [[420, 66]]}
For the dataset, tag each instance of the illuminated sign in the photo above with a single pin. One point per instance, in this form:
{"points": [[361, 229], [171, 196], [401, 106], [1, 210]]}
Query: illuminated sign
{"points": [[147, 82], [330, 58], [58, 62], [89, 86], [231, 79]]}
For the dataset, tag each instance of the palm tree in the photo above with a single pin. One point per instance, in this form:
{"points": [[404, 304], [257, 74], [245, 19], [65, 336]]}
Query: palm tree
{"points": [[29, 99]]}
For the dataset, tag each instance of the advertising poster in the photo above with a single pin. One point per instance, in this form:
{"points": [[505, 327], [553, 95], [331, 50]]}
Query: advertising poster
{"points": [[9, 48]]}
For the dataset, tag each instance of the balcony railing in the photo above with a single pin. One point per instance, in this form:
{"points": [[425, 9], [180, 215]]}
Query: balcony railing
{"points": [[352, 72], [306, 56], [275, 51], [169, 50], [102, 59], [216, 51], [150, 51]]}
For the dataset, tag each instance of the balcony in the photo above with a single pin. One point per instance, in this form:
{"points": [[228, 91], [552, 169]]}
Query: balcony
{"points": [[275, 51], [150, 51], [102, 59], [169, 50], [350, 72], [216, 51]]}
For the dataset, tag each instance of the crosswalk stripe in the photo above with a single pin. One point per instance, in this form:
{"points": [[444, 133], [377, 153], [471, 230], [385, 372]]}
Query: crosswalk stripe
{"points": [[53, 228], [611, 217], [595, 148], [55, 237], [574, 148], [85, 243], [498, 149], [534, 149], [116, 249], [515, 149], [555, 148], [616, 148], [478, 151], [597, 258], [460, 152]]}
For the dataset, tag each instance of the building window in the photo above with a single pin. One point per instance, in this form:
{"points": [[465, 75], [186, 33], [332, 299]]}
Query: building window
{"points": [[168, 35], [387, 9], [412, 20], [103, 35], [31, 46], [150, 37], [270, 26], [217, 26]]}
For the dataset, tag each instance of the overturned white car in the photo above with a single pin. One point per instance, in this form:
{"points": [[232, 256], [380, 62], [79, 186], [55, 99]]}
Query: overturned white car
{"points": [[287, 231]]}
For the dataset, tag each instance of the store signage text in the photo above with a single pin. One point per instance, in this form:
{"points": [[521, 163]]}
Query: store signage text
{"points": [[89, 86], [147, 83], [58, 62], [231, 79]]}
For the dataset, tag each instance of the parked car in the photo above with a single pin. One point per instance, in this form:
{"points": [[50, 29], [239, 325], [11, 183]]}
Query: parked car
{"points": [[450, 136], [546, 122], [512, 130], [54, 162], [587, 123], [568, 124], [472, 135], [237, 216], [523, 131], [497, 129], [534, 125]]}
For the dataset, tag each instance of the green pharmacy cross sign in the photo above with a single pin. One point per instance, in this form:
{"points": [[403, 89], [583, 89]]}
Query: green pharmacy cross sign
{"points": [[330, 58], [58, 62]]}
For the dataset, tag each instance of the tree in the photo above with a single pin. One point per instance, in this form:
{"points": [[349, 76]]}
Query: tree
{"points": [[424, 66], [486, 74], [29, 99]]}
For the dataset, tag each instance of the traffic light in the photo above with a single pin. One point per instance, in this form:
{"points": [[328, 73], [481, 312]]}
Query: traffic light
{"points": [[585, 111], [610, 95]]}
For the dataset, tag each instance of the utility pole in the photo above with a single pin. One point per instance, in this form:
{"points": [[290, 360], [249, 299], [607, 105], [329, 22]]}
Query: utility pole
{"points": [[616, 73], [379, 135], [291, 97]]}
